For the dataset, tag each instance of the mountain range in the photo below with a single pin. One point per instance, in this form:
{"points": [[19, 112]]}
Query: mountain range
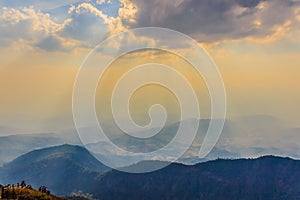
{"points": [[66, 169], [250, 136]]}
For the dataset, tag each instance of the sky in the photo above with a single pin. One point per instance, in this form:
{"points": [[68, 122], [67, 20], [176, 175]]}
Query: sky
{"points": [[254, 43]]}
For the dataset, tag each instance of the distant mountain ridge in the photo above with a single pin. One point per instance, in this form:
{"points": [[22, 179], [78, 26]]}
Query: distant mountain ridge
{"points": [[13, 146], [249, 136], [66, 169]]}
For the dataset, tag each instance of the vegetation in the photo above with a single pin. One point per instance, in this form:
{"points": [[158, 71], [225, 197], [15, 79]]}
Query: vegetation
{"points": [[25, 193], [269, 177]]}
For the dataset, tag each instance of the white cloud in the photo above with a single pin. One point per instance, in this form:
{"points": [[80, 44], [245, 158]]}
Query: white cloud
{"points": [[100, 2], [85, 26], [26, 24], [31, 28], [86, 23]]}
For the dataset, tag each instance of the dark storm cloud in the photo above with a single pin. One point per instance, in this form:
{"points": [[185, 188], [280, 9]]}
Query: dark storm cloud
{"points": [[249, 3], [209, 20]]}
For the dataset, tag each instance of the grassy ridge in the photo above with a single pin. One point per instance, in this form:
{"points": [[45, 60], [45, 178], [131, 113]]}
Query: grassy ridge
{"points": [[27, 194]]}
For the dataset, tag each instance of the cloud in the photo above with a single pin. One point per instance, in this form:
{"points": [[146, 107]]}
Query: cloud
{"points": [[25, 24], [85, 26], [128, 11], [210, 21], [100, 2], [53, 43], [42, 5], [207, 21], [249, 3], [86, 23]]}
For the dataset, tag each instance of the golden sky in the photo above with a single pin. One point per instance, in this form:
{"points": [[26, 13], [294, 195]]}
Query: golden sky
{"points": [[255, 46]]}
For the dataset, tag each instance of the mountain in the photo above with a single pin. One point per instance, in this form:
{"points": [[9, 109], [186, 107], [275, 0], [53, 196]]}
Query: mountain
{"points": [[106, 152], [267, 177], [13, 146], [16, 145], [66, 169], [248, 136], [63, 169]]}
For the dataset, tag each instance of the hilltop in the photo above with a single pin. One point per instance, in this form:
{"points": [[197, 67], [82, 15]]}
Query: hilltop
{"points": [[25, 193]]}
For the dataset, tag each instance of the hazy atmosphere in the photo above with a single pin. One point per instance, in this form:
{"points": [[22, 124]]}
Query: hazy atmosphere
{"points": [[44, 43]]}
